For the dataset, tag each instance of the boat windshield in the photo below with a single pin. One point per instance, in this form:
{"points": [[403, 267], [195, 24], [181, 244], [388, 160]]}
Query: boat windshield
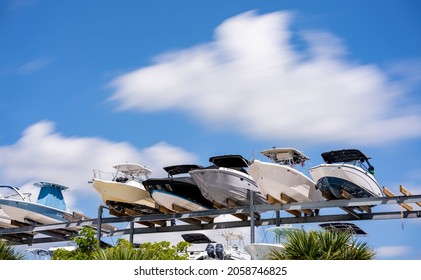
{"points": [[366, 166], [124, 173]]}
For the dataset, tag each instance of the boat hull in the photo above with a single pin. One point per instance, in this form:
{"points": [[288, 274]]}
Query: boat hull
{"points": [[130, 192], [182, 192], [28, 212], [223, 184], [171, 201], [276, 180], [261, 251], [333, 179], [5, 221]]}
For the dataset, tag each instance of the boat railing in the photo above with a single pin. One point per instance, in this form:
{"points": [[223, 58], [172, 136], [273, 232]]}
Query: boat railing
{"points": [[21, 196], [117, 176], [107, 175], [13, 193]]}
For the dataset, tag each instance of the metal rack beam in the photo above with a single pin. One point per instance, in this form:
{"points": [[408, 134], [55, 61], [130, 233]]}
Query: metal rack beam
{"points": [[268, 222], [100, 221]]}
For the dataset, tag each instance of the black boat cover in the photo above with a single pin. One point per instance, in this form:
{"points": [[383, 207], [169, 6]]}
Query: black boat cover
{"points": [[352, 228], [181, 169], [196, 238], [230, 161], [345, 155]]}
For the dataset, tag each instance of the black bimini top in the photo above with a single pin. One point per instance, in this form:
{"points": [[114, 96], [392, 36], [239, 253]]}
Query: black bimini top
{"points": [[349, 227], [181, 169], [345, 155], [230, 161], [196, 238]]}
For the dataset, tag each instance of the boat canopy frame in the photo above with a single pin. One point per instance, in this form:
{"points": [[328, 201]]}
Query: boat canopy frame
{"points": [[285, 156], [348, 155], [229, 161], [180, 169], [16, 193]]}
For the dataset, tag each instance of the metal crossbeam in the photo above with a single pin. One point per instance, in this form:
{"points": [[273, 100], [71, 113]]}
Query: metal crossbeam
{"points": [[354, 202], [268, 222]]}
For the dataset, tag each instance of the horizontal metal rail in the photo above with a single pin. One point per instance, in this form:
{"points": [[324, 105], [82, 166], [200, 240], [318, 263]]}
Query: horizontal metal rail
{"points": [[237, 210]]}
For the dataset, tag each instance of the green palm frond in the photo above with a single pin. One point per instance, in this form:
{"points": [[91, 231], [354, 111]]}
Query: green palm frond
{"points": [[322, 245], [8, 253]]}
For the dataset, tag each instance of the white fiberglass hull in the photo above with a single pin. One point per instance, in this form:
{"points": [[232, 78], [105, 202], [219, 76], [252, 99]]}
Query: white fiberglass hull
{"points": [[171, 201], [27, 212], [274, 180], [5, 221], [261, 251], [222, 184], [130, 192], [334, 178]]}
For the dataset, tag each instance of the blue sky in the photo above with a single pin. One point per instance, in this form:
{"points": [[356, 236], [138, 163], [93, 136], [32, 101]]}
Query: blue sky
{"points": [[88, 84]]}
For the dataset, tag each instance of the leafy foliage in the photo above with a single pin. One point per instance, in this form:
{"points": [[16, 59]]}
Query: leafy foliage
{"points": [[8, 253], [87, 249], [147, 251], [86, 243], [322, 245]]}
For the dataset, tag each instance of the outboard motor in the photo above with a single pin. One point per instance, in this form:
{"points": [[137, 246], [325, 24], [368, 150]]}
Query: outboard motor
{"points": [[210, 249], [219, 250]]}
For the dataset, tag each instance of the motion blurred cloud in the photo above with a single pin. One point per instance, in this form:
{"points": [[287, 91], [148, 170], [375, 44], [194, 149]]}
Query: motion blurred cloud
{"points": [[392, 251], [253, 79], [42, 154]]}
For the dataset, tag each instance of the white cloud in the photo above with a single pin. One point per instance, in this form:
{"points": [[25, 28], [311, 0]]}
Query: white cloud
{"points": [[42, 154], [392, 251], [33, 66], [252, 80]]}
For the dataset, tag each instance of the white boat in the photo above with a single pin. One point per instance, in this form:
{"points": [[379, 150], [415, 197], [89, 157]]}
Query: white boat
{"points": [[5, 221], [227, 182], [178, 192], [9, 192], [280, 181], [262, 251], [203, 248], [234, 246], [124, 187], [346, 173], [49, 208]]}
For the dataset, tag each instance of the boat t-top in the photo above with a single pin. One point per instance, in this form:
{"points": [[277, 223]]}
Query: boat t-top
{"points": [[280, 181], [49, 208], [124, 188], [262, 251]]}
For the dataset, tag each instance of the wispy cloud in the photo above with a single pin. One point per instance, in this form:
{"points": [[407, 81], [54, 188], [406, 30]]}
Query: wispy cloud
{"points": [[42, 154], [392, 251], [33, 66], [251, 79], [19, 4]]}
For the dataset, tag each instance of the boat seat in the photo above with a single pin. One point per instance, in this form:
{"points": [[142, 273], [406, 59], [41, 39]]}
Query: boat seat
{"points": [[121, 179]]}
